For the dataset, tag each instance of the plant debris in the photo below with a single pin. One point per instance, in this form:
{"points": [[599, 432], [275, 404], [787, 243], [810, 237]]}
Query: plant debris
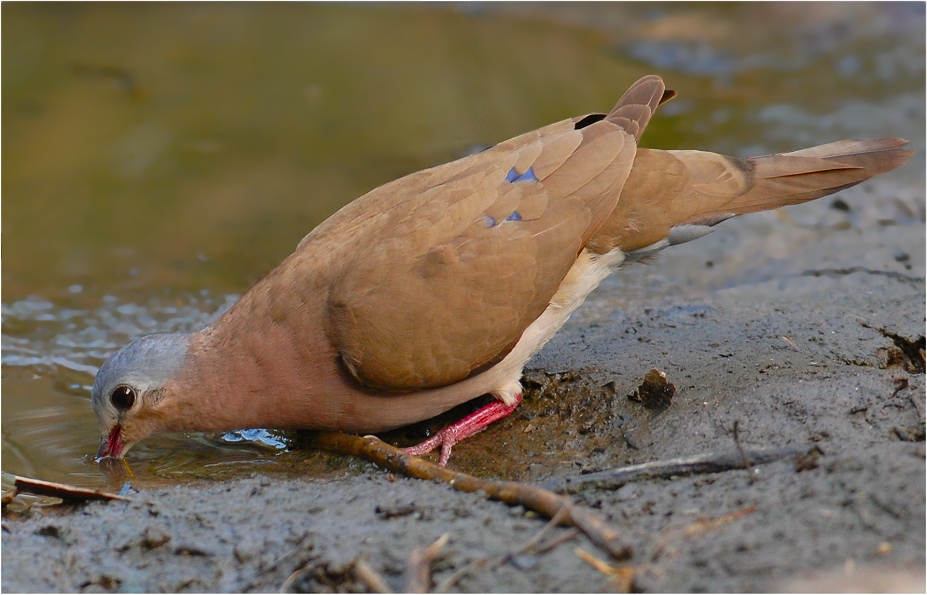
{"points": [[612, 479], [67, 493], [531, 497], [621, 578], [417, 577]]}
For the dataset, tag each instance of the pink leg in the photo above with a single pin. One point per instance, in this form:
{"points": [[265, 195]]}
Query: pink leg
{"points": [[468, 426]]}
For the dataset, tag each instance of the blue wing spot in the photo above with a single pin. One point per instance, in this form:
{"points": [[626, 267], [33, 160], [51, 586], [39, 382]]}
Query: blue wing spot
{"points": [[528, 176], [514, 176], [490, 220], [513, 217]]}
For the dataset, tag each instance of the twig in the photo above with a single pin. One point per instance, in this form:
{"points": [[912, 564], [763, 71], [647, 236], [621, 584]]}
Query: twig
{"points": [[565, 536], [531, 543], [66, 492], [288, 583], [451, 580], [370, 577], [532, 497], [418, 570], [526, 547], [613, 479], [735, 434], [279, 562], [702, 525], [621, 578]]}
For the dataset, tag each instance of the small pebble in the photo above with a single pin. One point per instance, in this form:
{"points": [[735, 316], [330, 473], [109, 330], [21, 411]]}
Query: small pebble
{"points": [[839, 205], [153, 538]]}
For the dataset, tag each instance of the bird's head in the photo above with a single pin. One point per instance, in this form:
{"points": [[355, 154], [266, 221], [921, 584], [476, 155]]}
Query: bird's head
{"points": [[133, 388]]}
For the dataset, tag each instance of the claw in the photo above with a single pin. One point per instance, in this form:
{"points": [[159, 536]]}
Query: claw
{"points": [[466, 427]]}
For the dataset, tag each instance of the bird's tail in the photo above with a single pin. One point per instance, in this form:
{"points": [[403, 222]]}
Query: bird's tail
{"points": [[675, 196], [800, 176]]}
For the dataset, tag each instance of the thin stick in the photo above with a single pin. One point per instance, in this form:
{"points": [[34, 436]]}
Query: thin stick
{"points": [[735, 434], [451, 580], [566, 536], [613, 479], [418, 569], [370, 577], [527, 546], [540, 500], [558, 518], [621, 578], [64, 491], [288, 583], [279, 562], [673, 534]]}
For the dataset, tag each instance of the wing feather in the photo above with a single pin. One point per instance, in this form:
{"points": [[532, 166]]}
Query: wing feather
{"points": [[449, 266]]}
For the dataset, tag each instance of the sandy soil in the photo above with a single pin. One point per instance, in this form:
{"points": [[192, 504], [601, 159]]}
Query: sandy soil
{"points": [[810, 335]]}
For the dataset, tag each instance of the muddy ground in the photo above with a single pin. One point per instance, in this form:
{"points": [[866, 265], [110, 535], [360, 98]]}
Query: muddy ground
{"points": [[811, 335]]}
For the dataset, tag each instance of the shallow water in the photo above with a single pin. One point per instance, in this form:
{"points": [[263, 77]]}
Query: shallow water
{"points": [[160, 159]]}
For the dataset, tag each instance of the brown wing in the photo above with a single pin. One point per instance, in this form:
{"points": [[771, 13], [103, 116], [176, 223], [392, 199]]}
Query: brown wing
{"points": [[450, 265]]}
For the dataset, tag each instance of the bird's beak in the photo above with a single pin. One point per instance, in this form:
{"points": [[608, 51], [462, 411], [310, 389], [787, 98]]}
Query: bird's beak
{"points": [[112, 445]]}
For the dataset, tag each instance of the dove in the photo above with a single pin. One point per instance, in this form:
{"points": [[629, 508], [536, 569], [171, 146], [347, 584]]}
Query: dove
{"points": [[438, 288]]}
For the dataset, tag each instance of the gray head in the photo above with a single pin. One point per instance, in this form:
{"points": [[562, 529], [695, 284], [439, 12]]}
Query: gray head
{"points": [[131, 386]]}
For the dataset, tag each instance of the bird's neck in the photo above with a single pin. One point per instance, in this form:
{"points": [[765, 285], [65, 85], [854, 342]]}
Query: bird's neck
{"points": [[247, 370]]}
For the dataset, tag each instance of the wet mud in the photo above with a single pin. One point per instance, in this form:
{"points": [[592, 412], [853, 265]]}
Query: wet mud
{"points": [[831, 362]]}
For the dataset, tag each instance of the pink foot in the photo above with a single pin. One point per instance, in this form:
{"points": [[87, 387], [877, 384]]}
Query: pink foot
{"points": [[468, 426]]}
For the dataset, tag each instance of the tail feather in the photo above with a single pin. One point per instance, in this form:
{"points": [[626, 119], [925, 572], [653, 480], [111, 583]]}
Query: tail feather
{"points": [[690, 191], [800, 176]]}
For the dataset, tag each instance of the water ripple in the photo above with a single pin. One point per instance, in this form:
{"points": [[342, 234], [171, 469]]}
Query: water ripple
{"points": [[52, 339]]}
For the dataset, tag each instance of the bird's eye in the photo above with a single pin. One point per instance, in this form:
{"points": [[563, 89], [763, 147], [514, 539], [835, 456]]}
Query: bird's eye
{"points": [[123, 398]]}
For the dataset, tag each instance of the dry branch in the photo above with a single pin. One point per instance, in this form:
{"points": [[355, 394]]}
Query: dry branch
{"points": [[613, 479], [540, 500], [66, 492]]}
